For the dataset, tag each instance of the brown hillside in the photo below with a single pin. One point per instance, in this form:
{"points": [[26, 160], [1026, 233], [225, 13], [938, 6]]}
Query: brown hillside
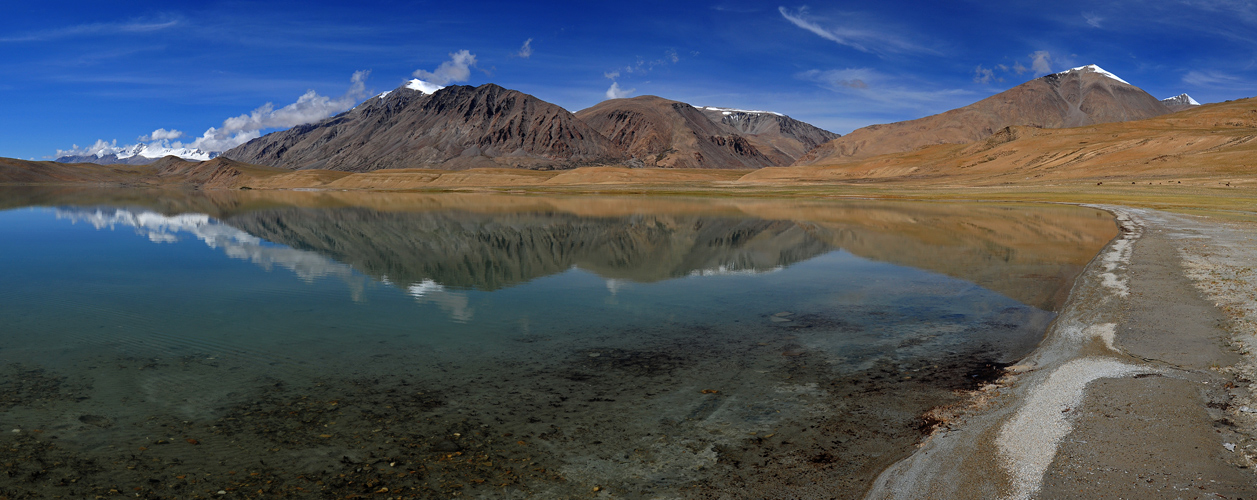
{"points": [[1215, 141], [658, 132], [1070, 99]]}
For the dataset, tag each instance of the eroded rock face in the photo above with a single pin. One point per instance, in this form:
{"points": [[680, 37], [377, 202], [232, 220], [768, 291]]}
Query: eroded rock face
{"points": [[453, 128], [659, 132], [1069, 99]]}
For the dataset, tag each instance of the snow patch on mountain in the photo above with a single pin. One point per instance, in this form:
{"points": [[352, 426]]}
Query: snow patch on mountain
{"points": [[422, 86], [416, 84], [729, 111], [1091, 68]]}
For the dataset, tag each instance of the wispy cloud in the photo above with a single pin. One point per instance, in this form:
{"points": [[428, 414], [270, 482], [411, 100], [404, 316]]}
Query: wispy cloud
{"points": [[862, 39], [1218, 80], [884, 92], [526, 50], [1041, 62], [641, 67], [457, 69], [1092, 19], [93, 29], [840, 79], [985, 75]]}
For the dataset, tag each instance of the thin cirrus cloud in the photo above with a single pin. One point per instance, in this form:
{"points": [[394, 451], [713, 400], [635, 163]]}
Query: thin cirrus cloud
{"points": [[525, 51], [93, 29], [1092, 19], [1217, 80], [867, 86], [864, 40]]}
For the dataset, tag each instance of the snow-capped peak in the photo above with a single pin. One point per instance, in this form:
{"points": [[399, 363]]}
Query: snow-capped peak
{"points": [[422, 86], [1091, 68], [416, 84], [729, 111], [1181, 99]]}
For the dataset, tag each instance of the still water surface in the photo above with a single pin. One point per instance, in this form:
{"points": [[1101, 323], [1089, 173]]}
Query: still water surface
{"points": [[494, 347]]}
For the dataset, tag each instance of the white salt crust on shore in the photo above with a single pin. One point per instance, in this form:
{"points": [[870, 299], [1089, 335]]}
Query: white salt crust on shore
{"points": [[1028, 441]]}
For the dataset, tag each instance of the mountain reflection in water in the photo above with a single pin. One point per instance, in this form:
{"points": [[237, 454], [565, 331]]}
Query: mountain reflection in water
{"points": [[1028, 252], [504, 347]]}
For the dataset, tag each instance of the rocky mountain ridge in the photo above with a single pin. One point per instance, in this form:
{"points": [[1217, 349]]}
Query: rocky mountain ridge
{"points": [[658, 132], [453, 128]]}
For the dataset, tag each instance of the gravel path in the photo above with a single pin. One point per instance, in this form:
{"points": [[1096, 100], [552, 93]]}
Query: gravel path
{"points": [[1140, 389]]}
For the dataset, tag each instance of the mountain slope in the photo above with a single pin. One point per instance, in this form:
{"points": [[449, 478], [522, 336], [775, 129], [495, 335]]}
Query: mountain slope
{"points": [[1081, 96], [454, 127], [660, 132], [1210, 145]]}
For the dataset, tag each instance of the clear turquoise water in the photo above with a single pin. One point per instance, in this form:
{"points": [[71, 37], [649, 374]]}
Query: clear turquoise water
{"points": [[443, 354]]}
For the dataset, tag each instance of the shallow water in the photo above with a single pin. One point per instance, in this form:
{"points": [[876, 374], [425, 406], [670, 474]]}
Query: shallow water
{"points": [[503, 347]]}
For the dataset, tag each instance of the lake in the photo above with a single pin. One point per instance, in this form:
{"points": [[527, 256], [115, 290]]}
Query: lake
{"points": [[240, 344]]}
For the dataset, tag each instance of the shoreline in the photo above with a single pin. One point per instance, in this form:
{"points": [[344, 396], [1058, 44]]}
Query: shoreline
{"points": [[1140, 388]]}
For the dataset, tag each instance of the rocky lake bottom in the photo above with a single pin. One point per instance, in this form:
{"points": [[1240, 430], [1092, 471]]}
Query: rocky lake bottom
{"points": [[338, 352]]}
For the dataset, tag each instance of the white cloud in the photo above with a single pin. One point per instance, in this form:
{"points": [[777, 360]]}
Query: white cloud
{"points": [[1041, 62], [615, 92], [611, 75], [161, 134], [100, 148], [457, 69], [1019, 68], [1092, 19], [309, 108], [525, 51], [864, 40]]}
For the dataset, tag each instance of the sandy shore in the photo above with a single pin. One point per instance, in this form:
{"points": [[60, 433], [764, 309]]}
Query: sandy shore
{"points": [[1141, 388]]}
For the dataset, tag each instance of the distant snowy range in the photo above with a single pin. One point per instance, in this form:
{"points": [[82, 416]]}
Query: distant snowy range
{"points": [[136, 154]]}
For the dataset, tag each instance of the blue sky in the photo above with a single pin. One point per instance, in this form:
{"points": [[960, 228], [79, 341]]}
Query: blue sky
{"points": [[76, 73]]}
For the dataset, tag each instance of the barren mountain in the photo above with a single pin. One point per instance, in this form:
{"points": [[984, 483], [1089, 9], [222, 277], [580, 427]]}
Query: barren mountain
{"points": [[1081, 96], [455, 127], [790, 136], [664, 133], [1180, 102]]}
